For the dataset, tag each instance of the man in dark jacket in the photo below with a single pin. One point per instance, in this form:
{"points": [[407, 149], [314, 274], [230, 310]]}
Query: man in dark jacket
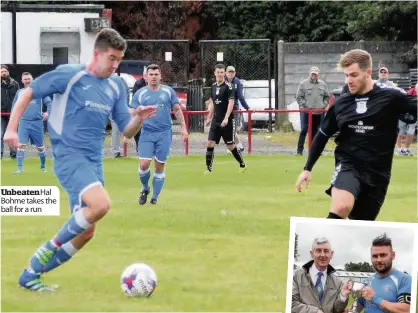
{"points": [[9, 87], [239, 99]]}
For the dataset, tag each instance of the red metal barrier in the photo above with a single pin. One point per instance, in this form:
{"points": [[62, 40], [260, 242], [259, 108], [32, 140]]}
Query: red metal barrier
{"points": [[250, 126]]}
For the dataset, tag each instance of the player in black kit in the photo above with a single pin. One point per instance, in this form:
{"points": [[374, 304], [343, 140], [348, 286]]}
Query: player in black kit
{"points": [[221, 119], [367, 119]]}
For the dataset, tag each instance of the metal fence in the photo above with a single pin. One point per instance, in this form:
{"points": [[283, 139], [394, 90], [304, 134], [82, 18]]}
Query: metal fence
{"points": [[250, 57], [173, 56]]}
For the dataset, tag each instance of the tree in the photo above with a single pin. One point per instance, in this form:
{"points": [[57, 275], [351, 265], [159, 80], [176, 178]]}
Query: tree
{"points": [[382, 20], [359, 267]]}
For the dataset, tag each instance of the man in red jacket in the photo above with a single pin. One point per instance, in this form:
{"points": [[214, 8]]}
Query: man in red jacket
{"points": [[406, 127]]}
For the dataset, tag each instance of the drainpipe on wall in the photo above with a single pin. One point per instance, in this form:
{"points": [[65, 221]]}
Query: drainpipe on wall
{"points": [[14, 31]]}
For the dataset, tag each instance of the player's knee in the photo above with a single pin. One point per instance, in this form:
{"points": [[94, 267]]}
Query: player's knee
{"points": [[102, 207], [144, 164], [230, 147], [211, 144], [88, 234], [159, 166], [342, 202], [98, 202]]}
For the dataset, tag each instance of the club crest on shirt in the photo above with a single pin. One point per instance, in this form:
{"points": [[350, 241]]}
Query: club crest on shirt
{"points": [[361, 107], [217, 91]]}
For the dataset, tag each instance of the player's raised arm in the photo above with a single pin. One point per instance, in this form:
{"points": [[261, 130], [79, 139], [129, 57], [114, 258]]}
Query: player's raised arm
{"points": [[10, 136], [56, 81], [129, 123], [406, 104], [329, 128]]}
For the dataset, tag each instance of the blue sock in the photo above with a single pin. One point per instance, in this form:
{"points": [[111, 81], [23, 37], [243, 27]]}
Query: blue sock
{"points": [[42, 156], [20, 156], [157, 184], [144, 176], [76, 224], [63, 255], [73, 227]]}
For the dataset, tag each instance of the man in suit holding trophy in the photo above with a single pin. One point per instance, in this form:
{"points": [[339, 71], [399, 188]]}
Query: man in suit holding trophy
{"points": [[387, 290], [316, 288]]}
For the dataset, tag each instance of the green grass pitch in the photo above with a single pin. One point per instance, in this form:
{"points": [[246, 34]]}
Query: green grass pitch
{"points": [[205, 260]]}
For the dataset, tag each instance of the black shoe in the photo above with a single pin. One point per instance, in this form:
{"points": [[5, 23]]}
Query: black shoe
{"points": [[118, 155], [299, 153], [143, 197], [153, 201]]}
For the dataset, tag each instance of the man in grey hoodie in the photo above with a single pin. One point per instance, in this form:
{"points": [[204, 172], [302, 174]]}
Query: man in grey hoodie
{"points": [[312, 94]]}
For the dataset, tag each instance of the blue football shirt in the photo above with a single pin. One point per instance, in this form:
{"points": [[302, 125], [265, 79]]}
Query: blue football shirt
{"points": [[81, 108], [164, 99], [34, 110], [388, 288]]}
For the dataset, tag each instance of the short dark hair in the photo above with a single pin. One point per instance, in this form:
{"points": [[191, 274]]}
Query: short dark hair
{"points": [[220, 66], [382, 241], [26, 73], [153, 67], [109, 38]]}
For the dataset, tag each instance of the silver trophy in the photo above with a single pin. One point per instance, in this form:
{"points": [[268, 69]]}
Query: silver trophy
{"points": [[356, 292]]}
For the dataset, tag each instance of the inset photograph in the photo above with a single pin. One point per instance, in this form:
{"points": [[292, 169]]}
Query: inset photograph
{"points": [[343, 266]]}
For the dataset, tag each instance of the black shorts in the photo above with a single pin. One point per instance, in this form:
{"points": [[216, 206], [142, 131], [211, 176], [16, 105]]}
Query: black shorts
{"points": [[227, 132], [369, 196]]}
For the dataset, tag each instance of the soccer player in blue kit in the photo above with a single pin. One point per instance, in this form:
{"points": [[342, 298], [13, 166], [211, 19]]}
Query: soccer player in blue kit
{"points": [[389, 289], [156, 133], [31, 128], [85, 96]]}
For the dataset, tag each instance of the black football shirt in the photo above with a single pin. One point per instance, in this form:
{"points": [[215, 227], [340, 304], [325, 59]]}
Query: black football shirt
{"points": [[220, 95], [368, 127]]}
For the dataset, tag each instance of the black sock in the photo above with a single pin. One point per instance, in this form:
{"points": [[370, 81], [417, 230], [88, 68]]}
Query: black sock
{"points": [[237, 155], [209, 157], [334, 216]]}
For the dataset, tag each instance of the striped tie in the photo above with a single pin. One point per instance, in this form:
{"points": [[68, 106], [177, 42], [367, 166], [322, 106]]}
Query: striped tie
{"points": [[319, 288]]}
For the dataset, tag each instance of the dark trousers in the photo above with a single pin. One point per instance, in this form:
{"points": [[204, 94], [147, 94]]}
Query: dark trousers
{"points": [[304, 120], [4, 123]]}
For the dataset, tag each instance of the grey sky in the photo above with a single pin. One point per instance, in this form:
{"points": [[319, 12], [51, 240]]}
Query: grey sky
{"points": [[352, 243]]}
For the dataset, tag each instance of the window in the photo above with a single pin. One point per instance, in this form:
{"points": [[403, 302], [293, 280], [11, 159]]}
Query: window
{"points": [[60, 45]]}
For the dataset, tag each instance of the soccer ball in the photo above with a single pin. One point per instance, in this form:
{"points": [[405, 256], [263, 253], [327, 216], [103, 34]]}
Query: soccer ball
{"points": [[138, 280]]}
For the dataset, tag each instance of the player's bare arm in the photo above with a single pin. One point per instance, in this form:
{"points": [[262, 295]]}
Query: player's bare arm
{"points": [[211, 111], [393, 307], [180, 117], [141, 113], [228, 112], [329, 128], [10, 136]]}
